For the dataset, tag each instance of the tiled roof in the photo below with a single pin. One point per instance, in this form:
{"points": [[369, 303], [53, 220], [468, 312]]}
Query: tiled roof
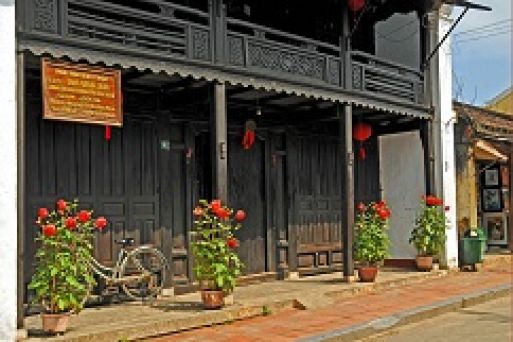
{"points": [[486, 123]]}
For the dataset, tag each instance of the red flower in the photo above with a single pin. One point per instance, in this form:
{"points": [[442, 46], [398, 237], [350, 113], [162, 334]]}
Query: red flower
{"points": [[232, 243], [49, 230], [198, 212], [433, 201], [100, 223], [215, 205], [61, 205], [361, 207], [447, 208], [43, 213], [71, 223], [383, 213], [240, 215], [84, 216], [222, 213]]}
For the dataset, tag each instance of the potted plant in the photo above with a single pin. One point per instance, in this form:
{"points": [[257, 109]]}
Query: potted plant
{"points": [[63, 277], [428, 235], [216, 264], [371, 242]]}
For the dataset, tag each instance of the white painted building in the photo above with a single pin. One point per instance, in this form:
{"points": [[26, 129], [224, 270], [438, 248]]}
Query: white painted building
{"points": [[8, 184]]}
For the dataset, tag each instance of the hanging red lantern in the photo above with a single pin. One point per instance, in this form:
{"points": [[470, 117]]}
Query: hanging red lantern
{"points": [[356, 5], [107, 133], [249, 134], [361, 132]]}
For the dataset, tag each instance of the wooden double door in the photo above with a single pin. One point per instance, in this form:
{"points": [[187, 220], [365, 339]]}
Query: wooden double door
{"points": [[118, 179]]}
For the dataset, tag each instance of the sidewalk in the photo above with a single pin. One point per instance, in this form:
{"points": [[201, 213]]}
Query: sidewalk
{"points": [[355, 317], [329, 303]]}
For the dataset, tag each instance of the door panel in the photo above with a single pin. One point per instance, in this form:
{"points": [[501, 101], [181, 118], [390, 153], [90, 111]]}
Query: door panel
{"points": [[246, 174], [117, 179], [402, 183], [317, 202]]}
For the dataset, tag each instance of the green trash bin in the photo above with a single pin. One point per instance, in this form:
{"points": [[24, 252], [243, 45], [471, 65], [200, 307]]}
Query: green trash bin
{"points": [[482, 234], [472, 250]]}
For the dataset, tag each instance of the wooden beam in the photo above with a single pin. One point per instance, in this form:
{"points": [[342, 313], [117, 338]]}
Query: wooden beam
{"points": [[219, 138], [347, 162]]}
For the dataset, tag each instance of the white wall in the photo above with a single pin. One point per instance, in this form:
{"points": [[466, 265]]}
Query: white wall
{"points": [[403, 183], [447, 127], [8, 220]]}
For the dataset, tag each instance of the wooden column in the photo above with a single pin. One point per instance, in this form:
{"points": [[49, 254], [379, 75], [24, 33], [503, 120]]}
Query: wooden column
{"points": [[20, 200], [219, 142], [347, 160], [510, 214], [217, 10], [426, 136]]}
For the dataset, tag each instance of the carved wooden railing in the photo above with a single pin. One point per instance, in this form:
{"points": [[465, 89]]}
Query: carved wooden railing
{"points": [[158, 27], [372, 74], [261, 48], [162, 30]]}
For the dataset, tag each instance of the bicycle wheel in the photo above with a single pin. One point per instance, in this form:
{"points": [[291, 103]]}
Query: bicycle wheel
{"points": [[143, 273]]}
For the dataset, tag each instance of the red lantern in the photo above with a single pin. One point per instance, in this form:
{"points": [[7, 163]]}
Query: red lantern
{"points": [[362, 132], [249, 134], [356, 5]]}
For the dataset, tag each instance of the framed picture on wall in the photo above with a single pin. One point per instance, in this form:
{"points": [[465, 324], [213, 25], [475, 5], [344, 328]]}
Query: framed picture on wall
{"points": [[492, 200], [491, 177], [496, 228]]}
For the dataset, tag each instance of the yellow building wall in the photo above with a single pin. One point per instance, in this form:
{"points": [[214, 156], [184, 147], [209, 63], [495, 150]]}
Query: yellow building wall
{"points": [[466, 194], [503, 104]]}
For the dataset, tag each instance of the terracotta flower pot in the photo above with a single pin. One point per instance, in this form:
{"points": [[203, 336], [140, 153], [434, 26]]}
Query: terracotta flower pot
{"points": [[424, 262], [55, 323], [368, 274], [212, 299]]}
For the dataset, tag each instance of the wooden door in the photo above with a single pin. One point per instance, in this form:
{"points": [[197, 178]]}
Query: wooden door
{"points": [[176, 164], [118, 179], [315, 187], [246, 175]]}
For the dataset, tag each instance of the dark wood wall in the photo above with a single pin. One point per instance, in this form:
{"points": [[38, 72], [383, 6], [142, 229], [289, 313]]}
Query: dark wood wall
{"points": [[146, 179]]}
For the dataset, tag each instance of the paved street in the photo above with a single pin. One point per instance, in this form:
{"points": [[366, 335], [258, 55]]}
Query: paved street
{"points": [[491, 321]]}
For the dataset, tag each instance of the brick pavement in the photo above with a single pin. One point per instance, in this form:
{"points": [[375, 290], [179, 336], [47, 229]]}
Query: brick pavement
{"points": [[294, 324]]}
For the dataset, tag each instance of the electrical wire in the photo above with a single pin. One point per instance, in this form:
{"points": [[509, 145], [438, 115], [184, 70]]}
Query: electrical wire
{"points": [[487, 27], [483, 36]]}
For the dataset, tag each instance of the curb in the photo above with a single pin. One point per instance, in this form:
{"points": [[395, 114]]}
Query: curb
{"points": [[383, 324], [146, 329], [377, 286]]}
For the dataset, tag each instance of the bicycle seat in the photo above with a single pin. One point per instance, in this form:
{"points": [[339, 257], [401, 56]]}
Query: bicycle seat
{"points": [[126, 242]]}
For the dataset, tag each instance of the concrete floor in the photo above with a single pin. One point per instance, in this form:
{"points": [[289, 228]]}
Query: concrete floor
{"points": [[490, 322]]}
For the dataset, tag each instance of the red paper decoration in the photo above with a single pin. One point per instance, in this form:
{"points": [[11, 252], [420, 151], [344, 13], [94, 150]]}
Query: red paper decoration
{"points": [[249, 134], [107, 133], [361, 132], [356, 5]]}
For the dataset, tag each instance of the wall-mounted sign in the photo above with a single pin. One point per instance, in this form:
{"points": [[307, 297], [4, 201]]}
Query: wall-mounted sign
{"points": [[81, 93]]}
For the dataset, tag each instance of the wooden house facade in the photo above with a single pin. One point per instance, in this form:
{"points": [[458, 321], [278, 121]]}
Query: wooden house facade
{"points": [[194, 74]]}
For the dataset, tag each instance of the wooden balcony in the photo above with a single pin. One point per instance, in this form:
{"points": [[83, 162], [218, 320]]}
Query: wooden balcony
{"points": [[161, 31]]}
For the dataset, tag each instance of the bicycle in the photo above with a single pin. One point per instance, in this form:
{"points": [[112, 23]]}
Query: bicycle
{"points": [[139, 272]]}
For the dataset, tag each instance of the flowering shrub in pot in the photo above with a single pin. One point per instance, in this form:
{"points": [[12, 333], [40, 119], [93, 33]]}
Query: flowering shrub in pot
{"points": [[63, 276], [428, 235], [371, 242], [216, 264]]}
